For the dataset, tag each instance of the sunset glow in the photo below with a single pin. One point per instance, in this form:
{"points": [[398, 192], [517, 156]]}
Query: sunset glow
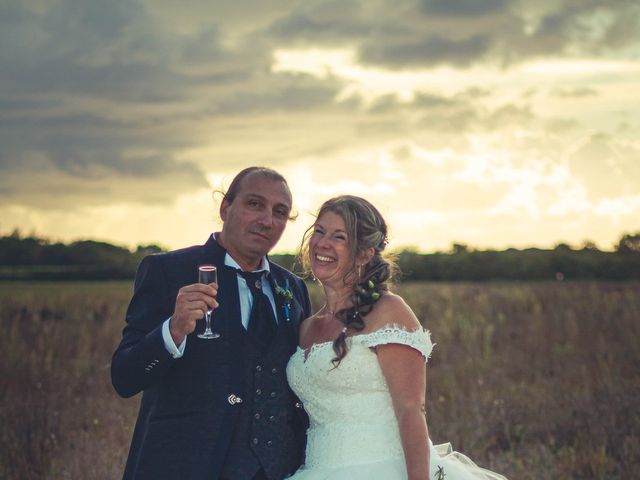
{"points": [[492, 127]]}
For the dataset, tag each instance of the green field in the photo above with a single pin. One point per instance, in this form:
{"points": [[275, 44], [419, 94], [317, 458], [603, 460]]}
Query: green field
{"points": [[534, 380]]}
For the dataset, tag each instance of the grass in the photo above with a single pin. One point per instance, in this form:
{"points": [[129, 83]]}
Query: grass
{"points": [[533, 380]]}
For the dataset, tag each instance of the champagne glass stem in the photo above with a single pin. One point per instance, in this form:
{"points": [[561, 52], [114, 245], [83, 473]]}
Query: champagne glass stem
{"points": [[207, 317]]}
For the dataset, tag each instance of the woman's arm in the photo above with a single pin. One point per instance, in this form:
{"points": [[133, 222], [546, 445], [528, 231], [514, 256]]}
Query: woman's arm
{"points": [[404, 370]]}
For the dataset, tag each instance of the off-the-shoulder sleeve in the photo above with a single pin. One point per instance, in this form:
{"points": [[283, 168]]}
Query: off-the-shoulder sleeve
{"points": [[419, 339]]}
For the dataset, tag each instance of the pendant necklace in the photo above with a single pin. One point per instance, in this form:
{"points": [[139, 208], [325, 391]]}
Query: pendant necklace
{"points": [[333, 315]]}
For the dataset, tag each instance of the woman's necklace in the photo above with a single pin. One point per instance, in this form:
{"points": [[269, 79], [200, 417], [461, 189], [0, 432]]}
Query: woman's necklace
{"points": [[341, 299], [327, 310], [343, 331]]}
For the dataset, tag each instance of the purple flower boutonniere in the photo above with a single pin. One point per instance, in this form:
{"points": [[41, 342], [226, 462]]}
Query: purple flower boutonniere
{"points": [[287, 294]]}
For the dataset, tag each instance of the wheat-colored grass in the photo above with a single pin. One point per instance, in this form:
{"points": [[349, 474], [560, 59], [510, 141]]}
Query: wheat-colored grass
{"points": [[533, 380]]}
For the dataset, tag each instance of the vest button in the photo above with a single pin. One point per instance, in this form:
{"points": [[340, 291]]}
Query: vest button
{"points": [[272, 418], [269, 443], [258, 391], [273, 394], [258, 368], [274, 370], [257, 416], [255, 441]]}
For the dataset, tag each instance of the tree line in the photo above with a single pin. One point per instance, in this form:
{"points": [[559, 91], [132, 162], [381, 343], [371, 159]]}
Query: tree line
{"points": [[36, 258]]}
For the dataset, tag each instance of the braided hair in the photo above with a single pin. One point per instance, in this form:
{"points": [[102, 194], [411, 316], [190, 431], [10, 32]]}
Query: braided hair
{"points": [[366, 229]]}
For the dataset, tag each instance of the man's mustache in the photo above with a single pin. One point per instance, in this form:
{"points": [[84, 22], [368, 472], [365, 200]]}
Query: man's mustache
{"points": [[261, 230]]}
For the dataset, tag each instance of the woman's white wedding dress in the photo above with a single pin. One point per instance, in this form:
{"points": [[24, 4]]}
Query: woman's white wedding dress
{"points": [[353, 431]]}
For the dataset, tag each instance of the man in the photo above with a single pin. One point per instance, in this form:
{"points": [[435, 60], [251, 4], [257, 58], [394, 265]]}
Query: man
{"points": [[217, 408]]}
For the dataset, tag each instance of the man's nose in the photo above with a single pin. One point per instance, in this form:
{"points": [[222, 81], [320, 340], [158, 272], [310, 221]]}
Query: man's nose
{"points": [[266, 219]]}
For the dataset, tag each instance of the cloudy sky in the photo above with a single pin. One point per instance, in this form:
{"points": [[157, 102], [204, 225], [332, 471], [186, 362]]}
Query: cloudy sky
{"points": [[489, 122]]}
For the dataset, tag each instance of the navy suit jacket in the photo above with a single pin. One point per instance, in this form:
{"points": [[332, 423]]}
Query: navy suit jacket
{"points": [[187, 413]]}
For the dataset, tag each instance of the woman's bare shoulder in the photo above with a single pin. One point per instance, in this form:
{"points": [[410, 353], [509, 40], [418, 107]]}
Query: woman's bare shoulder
{"points": [[391, 309]]}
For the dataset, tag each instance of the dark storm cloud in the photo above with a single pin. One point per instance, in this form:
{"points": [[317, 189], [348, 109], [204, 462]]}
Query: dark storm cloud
{"points": [[289, 93], [462, 8], [106, 49], [76, 80], [317, 22], [455, 114], [462, 32], [428, 51]]}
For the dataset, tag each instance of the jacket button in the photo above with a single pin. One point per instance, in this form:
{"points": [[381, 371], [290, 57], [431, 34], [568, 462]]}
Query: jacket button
{"points": [[255, 441], [272, 418], [258, 368], [274, 370], [273, 394], [298, 405], [258, 391], [269, 443], [257, 416]]}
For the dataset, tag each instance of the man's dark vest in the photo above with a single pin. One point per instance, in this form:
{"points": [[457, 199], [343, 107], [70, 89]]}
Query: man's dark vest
{"points": [[264, 436]]}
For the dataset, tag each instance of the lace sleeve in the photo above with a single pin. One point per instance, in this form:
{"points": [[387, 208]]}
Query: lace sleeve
{"points": [[419, 339]]}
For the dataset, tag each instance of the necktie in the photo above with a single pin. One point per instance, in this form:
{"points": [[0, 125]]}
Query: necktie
{"points": [[262, 323]]}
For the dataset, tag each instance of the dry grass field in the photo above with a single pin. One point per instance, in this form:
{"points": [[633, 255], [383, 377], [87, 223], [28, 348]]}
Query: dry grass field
{"points": [[534, 380]]}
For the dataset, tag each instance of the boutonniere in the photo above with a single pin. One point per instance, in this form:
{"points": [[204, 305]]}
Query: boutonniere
{"points": [[287, 294]]}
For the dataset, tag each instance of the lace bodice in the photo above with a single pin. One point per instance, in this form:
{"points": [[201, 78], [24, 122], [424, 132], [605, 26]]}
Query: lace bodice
{"points": [[350, 406]]}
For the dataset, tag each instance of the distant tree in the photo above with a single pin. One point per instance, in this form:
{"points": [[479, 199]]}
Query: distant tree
{"points": [[590, 246], [457, 248], [629, 243], [562, 247]]}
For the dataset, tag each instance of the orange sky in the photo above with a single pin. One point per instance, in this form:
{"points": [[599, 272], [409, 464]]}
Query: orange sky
{"points": [[491, 123]]}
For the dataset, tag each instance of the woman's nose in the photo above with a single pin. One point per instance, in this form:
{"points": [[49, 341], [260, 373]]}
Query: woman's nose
{"points": [[323, 242]]}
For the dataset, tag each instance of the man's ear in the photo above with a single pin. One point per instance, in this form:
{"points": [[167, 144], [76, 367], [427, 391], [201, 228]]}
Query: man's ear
{"points": [[223, 210]]}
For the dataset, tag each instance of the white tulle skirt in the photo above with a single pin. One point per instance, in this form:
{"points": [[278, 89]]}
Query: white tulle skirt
{"points": [[445, 464]]}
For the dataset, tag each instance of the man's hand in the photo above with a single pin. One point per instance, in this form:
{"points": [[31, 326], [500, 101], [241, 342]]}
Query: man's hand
{"points": [[191, 304]]}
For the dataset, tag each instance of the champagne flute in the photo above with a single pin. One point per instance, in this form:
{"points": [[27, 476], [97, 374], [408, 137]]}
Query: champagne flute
{"points": [[208, 274]]}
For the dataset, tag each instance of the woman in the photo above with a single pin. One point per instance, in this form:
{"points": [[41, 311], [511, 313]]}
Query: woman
{"points": [[360, 367]]}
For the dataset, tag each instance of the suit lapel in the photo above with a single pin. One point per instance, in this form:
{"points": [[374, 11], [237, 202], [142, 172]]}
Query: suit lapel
{"points": [[227, 314], [275, 283], [286, 318]]}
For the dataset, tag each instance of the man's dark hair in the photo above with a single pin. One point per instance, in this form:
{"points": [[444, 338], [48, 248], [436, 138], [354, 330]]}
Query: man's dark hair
{"points": [[232, 191]]}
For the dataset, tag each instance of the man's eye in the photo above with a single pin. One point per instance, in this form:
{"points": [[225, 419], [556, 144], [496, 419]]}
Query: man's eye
{"points": [[282, 213]]}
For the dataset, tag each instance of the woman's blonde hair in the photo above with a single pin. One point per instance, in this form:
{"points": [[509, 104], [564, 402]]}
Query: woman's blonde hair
{"points": [[366, 229]]}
